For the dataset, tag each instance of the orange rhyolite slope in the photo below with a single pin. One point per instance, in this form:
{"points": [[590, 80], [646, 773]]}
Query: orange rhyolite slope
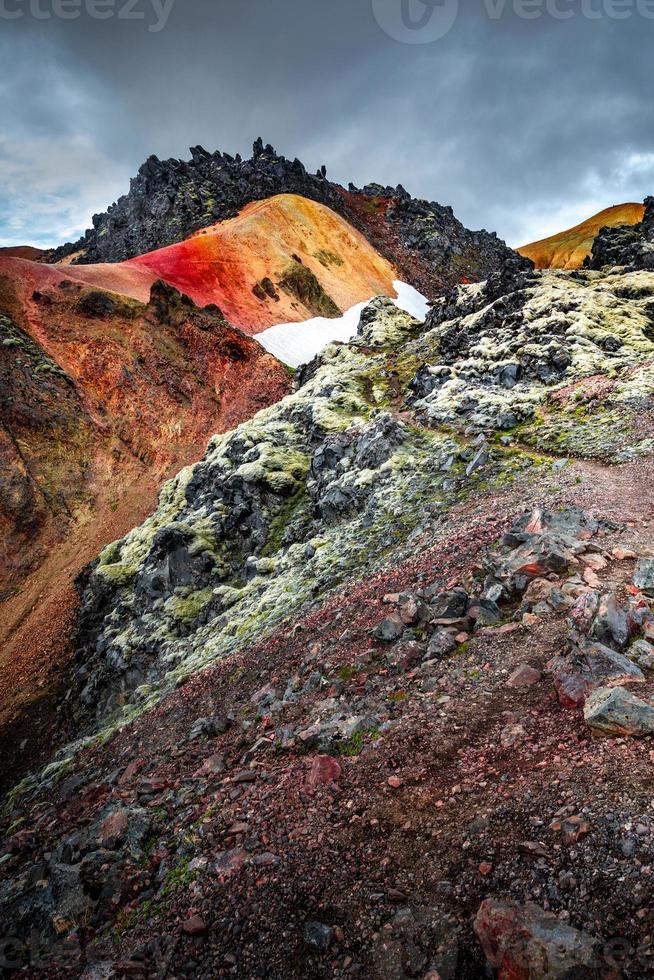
{"points": [[568, 249], [314, 261]]}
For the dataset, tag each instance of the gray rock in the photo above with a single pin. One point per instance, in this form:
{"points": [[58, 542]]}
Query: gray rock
{"points": [[440, 644], [642, 652], [480, 459], [318, 935], [522, 940], [388, 630], [644, 575], [614, 711], [613, 622]]}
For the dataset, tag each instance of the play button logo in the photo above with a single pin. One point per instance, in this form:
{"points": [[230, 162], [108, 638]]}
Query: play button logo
{"points": [[416, 21]]}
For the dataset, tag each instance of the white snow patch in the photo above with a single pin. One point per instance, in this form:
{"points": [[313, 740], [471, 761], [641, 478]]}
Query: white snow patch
{"points": [[298, 343], [410, 300]]}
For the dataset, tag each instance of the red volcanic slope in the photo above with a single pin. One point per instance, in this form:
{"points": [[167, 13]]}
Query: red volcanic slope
{"points": [[223, 265], [23, 252], [101, 399]]}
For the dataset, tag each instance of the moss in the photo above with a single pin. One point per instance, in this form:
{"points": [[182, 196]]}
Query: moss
{"points": [[187, 608], [295, 506], [300, 281], [328, 258], [118, 574], [354, 744], [279, 468]]}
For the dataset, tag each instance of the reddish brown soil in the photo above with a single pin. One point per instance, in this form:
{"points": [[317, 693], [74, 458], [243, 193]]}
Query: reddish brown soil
{"points": [[478, 775], [100, 404]]}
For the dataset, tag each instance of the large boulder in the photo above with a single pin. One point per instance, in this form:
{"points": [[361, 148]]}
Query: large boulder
{"points": [[523, 942], [614, 711], [644, 575], [588, 668]]}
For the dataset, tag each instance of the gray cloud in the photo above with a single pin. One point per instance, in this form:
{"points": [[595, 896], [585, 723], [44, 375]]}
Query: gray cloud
{"points": [[522, 126]]}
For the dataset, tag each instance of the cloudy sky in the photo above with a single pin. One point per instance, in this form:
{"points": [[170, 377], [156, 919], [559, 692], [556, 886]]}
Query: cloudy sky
{"points": [[523, 125]]}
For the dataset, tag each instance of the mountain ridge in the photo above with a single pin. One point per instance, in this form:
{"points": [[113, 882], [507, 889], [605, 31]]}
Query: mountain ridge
{"points": [[170, 200], [281, 259]]}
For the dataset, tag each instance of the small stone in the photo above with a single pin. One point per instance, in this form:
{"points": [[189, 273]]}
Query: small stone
{"points": [[114, 829], [533, 848], [524, 676], [212, 766], [247, 776], [152, 787], [318, 935], [324, 769], [394, 782], [573, 829], [195, 926], [389, 630], [485, 868], [265, 860]]}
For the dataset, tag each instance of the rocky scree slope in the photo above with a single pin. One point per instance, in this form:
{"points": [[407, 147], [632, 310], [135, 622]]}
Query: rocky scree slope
{"points": [[402, 770], [417, 584], [170, 200], [320, 486]]}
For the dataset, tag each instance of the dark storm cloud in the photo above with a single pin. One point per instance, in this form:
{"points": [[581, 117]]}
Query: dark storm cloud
{"points": [[523, 126]]}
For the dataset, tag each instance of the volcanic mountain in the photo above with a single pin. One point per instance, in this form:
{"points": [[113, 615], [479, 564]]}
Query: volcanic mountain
{"points": [[170, 200], [111, 380], [568, 249], [323, 705]]}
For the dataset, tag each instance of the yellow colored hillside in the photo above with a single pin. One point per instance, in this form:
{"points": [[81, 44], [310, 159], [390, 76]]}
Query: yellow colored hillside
{"points": [[568, 249]]}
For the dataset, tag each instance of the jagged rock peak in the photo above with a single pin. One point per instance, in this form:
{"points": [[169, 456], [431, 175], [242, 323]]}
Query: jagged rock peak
{"points": [[169, 200], [631, 246]]}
